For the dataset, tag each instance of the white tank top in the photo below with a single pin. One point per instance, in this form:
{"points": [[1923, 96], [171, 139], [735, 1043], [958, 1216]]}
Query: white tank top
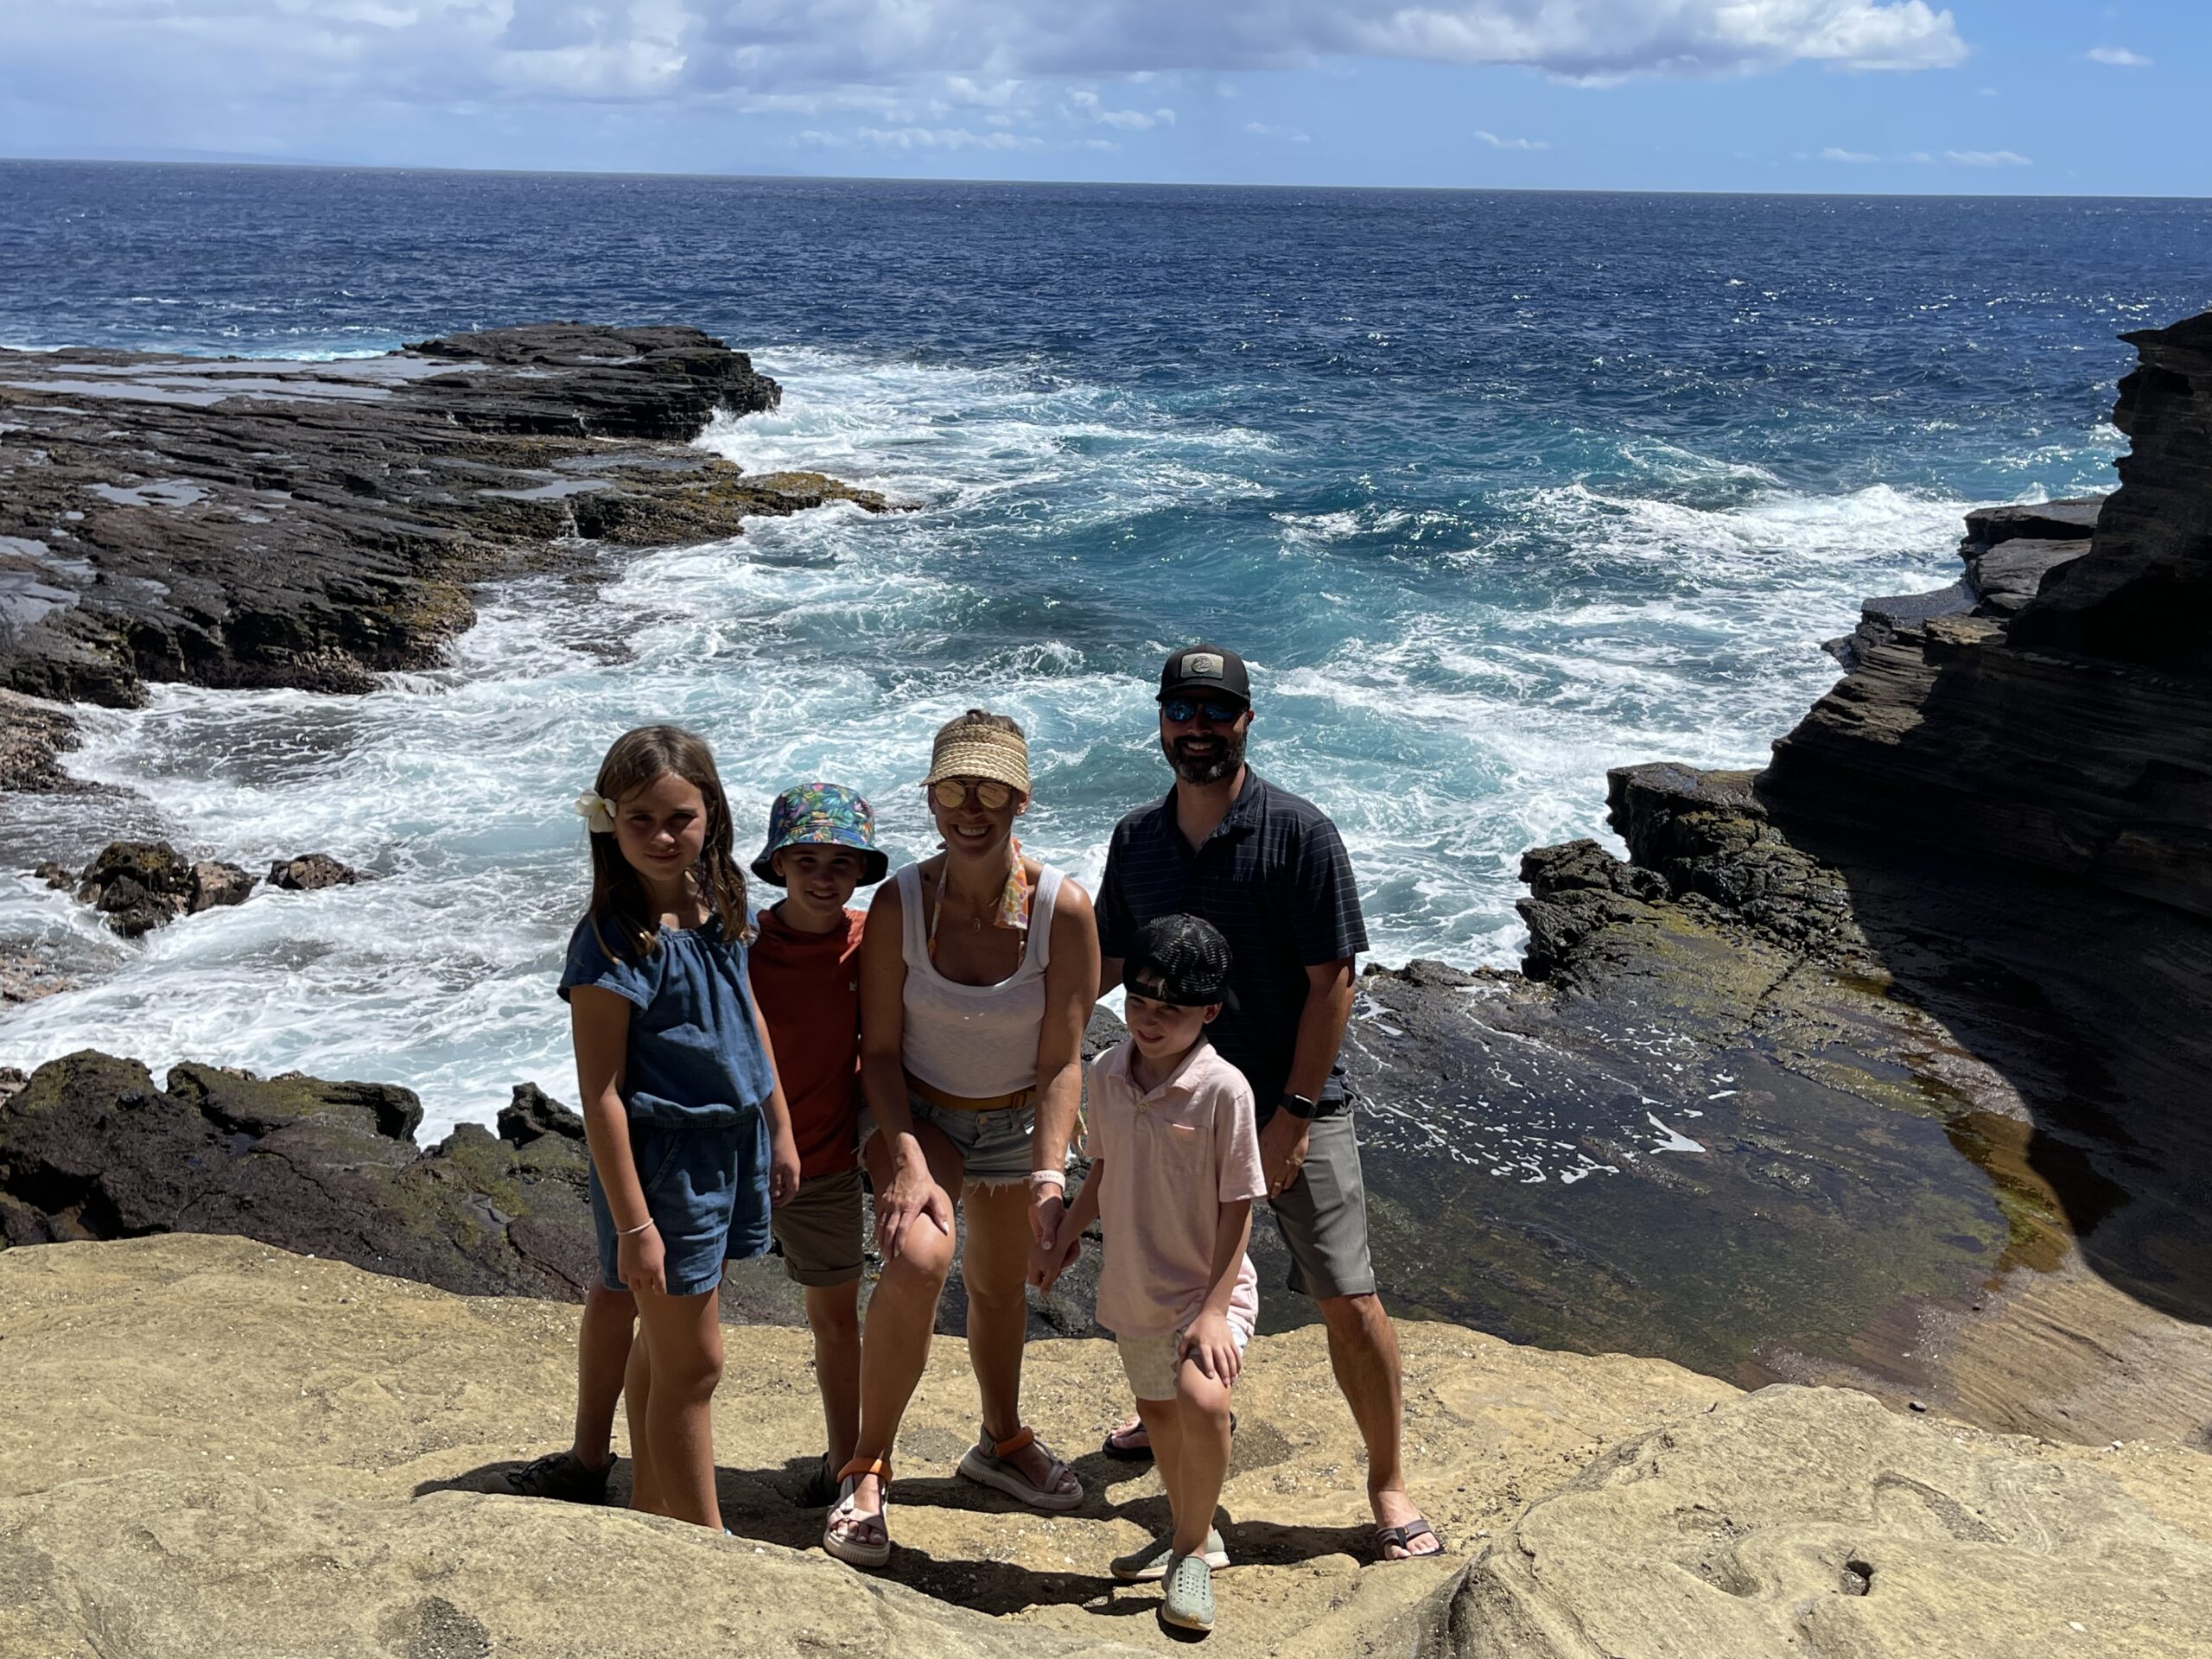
{"points": [[973, 1040]]}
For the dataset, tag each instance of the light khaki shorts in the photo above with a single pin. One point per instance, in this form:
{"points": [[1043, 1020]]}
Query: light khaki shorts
{"points": [[818, 1229], [1150, 1363]]}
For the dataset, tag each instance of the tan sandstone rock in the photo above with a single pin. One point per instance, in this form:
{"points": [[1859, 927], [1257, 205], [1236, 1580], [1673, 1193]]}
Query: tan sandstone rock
{"points": [[210, 1447], [1799, 1522]]}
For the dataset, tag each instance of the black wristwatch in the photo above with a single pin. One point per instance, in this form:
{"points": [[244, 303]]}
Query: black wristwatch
{"points": [[1297, 1105]]}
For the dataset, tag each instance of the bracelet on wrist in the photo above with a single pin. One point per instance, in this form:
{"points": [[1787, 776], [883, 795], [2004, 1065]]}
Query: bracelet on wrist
{"points": [[627, 1232], [1056, 1179]]}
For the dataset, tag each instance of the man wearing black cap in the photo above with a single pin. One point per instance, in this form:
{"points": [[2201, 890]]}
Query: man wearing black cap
{"points": [[1268, 869]]}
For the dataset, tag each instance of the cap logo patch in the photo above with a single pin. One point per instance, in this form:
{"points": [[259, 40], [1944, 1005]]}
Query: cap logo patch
{"points": [[1202, 664]]}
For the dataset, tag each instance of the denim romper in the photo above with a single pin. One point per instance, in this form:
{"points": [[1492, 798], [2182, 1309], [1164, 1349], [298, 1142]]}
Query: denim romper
{"points": [[695, 1080]]}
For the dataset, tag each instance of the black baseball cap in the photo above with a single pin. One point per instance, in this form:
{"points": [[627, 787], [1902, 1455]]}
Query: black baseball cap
{"points": [[1179, 960], [1201, 669]]}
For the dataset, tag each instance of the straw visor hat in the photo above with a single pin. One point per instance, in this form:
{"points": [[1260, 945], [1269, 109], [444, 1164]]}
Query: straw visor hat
{"points": [[967, 749]]}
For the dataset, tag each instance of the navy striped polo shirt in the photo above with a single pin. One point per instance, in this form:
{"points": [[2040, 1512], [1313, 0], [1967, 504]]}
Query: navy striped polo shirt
{"points": [[1273, 878]]}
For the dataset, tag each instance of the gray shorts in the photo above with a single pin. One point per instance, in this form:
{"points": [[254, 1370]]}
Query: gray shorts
{"points": [[1322, 1215], [818, 1229], [994, 1147]]}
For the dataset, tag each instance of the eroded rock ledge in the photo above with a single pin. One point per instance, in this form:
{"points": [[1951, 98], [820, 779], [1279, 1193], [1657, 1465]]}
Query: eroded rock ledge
{"points": [[247, 1429], [232, 522]]}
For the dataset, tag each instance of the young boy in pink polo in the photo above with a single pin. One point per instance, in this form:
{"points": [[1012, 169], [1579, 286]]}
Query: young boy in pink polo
{"points": [[1174, 1167]]}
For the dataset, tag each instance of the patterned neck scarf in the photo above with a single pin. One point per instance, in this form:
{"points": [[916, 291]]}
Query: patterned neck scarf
{"points": [[1016, 899]]}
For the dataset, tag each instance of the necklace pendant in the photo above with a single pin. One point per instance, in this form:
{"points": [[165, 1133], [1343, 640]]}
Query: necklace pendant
{"points": [[975, 924]]}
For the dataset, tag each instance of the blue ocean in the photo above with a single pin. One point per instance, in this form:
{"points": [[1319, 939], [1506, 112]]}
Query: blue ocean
{"points": [[1494, 490]]}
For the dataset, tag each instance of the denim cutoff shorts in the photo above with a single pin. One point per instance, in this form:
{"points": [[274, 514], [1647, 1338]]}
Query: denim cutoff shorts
{"points": [[994, 1147], [707, 1191]]}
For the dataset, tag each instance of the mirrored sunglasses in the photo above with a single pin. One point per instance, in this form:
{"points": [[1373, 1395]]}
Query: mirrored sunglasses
{"points": [[1220, 710], [952, 793]]}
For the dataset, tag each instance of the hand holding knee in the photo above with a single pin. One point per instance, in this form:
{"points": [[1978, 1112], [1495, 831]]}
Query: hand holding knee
{"points": [[1210, 1345]]}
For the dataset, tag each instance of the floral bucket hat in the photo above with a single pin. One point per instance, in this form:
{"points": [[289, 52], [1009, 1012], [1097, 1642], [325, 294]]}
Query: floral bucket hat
{"points": [[822, 815]]}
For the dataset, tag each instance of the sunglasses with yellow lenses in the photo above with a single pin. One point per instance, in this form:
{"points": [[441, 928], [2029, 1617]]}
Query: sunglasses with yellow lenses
{"points": [[952, 793]]}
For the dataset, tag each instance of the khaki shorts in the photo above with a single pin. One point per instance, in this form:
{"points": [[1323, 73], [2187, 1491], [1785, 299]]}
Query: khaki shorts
{"points": [[818, 1229], [1150, 1363]]}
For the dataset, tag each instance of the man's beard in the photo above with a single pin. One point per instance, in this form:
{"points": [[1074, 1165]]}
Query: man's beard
{"points": [[1227, 755]]}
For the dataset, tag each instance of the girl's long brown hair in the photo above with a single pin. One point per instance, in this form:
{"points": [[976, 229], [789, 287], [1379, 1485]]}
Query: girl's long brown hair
{"points": [[618, 902]]}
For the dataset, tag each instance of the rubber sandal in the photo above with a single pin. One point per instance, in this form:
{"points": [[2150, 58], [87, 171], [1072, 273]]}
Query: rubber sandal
{"points": [[1112, 1446], [991, 1469], [852, 1551], [1402, 1538], [1189, 1606], [1148, 1563]]}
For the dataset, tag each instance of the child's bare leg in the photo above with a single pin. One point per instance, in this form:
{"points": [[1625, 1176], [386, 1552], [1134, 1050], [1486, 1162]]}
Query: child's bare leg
{"points": [[1163, 1421], [637, 1393], [683, 1340], [833, 1313], [602, 1355], [1201, 1413]]}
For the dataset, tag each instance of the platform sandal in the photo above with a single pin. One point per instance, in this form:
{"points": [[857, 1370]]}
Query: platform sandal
{"points": [[994, 1469], [852, 1550]]}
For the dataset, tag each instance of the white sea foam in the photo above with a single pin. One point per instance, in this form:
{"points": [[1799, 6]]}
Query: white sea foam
{"points": [[1449, 684]]}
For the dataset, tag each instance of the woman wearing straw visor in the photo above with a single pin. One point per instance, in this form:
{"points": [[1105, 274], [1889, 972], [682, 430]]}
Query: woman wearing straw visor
{"points": [[977, 972]]}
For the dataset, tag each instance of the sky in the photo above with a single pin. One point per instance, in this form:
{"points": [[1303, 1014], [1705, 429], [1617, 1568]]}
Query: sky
{"points": [[1846, 96]]}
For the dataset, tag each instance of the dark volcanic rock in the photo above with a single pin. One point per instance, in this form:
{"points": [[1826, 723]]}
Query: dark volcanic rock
{"points": [[2073, 519], [2145, 595], [31, 734], [2006, 577], [533, 1113], [2072, 734], [215, 883], [310, 873], [90, 1148], [234, 523], [143, 885], [137, 885]]}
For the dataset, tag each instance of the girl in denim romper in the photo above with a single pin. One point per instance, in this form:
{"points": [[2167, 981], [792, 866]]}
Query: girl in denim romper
{"points": [[691, 1139]]}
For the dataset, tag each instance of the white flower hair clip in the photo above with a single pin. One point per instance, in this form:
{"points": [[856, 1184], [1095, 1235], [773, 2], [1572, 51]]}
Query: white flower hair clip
{"points": [[597, 813]]}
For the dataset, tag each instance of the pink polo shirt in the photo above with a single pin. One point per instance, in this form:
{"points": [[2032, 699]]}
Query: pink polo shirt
{"points": [[1173, 1157]]}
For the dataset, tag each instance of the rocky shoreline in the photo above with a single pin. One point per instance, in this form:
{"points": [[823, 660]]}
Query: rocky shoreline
{"points": [[234, 522]]}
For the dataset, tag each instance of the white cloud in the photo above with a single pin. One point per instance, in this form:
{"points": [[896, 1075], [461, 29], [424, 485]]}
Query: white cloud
{"points": [[1497, 143], [1137, 120], [921, 139], [1924, 158], [2119, 57], [1288, 134], [444, 53], [1086, 101]]}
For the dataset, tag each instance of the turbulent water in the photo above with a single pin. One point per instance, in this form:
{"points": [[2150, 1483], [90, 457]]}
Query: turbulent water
{"points": [[1494, 490]]}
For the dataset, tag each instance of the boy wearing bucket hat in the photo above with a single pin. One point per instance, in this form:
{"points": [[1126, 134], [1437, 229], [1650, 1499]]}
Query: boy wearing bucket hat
{"points": [[806, 973]]}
